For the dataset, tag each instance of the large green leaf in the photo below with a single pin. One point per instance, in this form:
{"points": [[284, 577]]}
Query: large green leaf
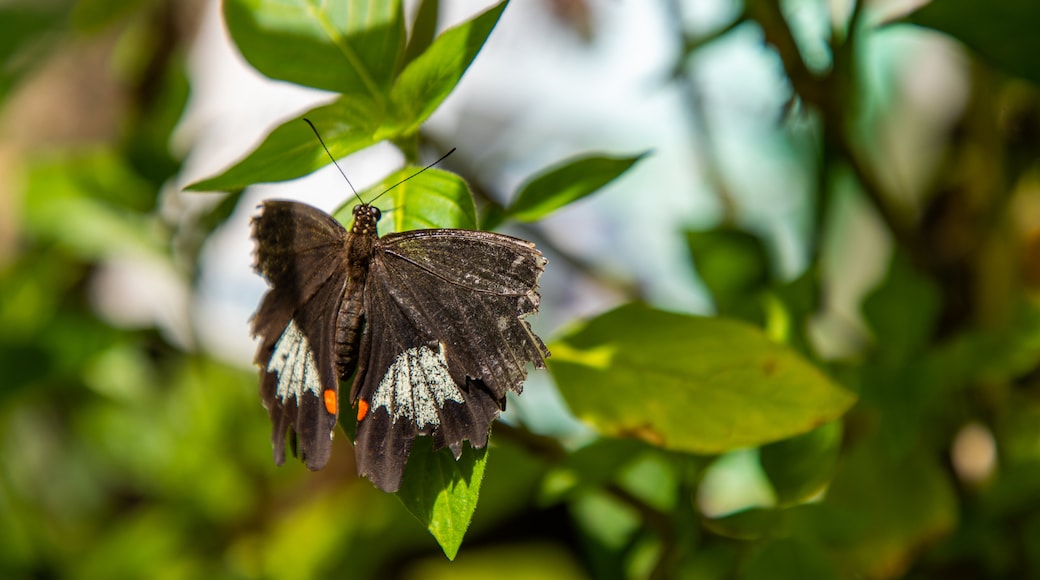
{"points": [[702, 385], [431, 199], [431, 77], [347, 125], [347, 46], [442, 492], [1001, 31], [566, 183]]}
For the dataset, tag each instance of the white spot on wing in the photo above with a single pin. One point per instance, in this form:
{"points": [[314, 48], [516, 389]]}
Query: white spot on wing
{"points": [[293, 361], [416, 385]]}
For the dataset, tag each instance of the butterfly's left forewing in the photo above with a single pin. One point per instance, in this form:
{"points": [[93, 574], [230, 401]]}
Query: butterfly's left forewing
{"points": [[300, 250]]}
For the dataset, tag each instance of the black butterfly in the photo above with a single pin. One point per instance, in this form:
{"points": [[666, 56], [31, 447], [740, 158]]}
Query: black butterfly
{"points": [[429, 323]]}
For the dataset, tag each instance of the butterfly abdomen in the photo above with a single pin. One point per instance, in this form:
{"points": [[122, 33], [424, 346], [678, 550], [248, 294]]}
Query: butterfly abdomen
{"points": [[349, 324]]}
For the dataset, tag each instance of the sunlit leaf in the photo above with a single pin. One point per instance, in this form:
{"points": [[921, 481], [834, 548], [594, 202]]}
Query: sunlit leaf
{"points": [[347, 125], [566, 183], [702, 385], [442, 492], [424, 29], [348, 46], [431, 199], [428, 79]]}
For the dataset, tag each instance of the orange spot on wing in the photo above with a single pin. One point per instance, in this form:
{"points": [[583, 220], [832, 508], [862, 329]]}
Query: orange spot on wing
{"points": [[331, 402], [362, 409]]}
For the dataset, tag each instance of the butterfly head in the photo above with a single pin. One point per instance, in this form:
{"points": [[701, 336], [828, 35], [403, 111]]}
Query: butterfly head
{"points": [[365, 219]]}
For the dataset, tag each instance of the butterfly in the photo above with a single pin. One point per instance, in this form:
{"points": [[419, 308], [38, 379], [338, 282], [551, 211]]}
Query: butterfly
{"points": [[428, 325]]}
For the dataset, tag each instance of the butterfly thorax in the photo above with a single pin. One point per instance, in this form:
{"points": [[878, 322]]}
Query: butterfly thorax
{"points": [[361, 243]]}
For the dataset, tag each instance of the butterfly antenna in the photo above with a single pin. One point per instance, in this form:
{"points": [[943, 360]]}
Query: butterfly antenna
{"points": [[329, 153], [442, 157]]}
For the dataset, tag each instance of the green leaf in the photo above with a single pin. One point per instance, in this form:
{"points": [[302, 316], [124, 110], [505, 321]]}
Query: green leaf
{"points": [[688, 383], [1002, 32], [990, 355], [504, 561], [347, 125], [749, 524], [431, 77], [788, 558], [424, 29], [95, 15], [735, 267], [348, 46], [431, 199], [889, 508], [566, 183], [608, 524], [27, 32], [902, 311], [591, 466], [147, 142], [801, 466], [90, 203], [789, 308], [442, 492]]}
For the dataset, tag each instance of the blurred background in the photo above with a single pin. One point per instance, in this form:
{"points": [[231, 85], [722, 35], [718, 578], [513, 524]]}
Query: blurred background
{"points": [[859, 148]]}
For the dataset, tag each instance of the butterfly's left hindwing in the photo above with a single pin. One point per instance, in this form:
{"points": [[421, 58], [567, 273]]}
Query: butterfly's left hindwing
{"points": [[300, 250]]}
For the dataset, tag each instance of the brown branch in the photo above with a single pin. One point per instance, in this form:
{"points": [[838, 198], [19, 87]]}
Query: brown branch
{"points": [[833, 95]]}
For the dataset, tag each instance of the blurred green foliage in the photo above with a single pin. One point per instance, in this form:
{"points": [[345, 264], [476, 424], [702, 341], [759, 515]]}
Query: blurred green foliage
{"points": [[128, 451]]}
